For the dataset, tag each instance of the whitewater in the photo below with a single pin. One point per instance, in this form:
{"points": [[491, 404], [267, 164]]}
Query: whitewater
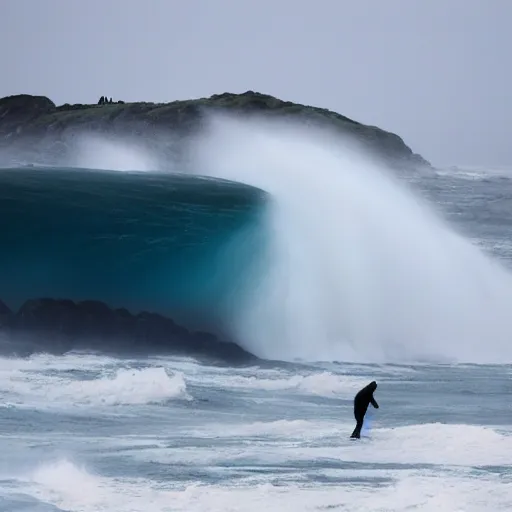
{"points": [[344, 273]]}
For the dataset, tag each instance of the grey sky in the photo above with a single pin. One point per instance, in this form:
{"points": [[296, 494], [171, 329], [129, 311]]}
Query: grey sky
{"points": [[437, 72]]}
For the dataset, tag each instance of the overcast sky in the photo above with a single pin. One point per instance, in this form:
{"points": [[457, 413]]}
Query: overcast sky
{"points": [[437, 72]]}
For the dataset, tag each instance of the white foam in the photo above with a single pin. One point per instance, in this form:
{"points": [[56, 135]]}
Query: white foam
{"points": [[437, 444], [108, 152], [65, 480], [322, 384], [358, 267], [73, 488], [273, 430], [70, 361], [122, 387], [475, 173]]}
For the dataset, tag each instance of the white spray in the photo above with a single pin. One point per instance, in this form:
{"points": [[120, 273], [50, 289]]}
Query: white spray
{"points": [[359, 269], [111, 153]]}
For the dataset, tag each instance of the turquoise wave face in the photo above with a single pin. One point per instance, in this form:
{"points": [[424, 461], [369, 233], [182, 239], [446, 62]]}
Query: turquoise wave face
{"points": [[168, 243]]}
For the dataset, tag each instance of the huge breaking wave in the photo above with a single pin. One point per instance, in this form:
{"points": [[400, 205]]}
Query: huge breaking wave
{"points": [[310, 251]]}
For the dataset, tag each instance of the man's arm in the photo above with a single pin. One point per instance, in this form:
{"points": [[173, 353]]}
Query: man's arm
{"points": [[374, 403]]}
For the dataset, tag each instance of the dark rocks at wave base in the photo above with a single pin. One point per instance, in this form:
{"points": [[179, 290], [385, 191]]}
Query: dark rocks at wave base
{"points": [[5, 314], [58, 326], [4, 310]]}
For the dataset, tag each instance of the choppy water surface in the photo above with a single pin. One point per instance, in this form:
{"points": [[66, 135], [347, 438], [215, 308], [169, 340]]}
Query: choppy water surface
{"points": [[89, 433]]}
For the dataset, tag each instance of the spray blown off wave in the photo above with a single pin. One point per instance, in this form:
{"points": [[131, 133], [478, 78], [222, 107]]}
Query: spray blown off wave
{"points": [[358, 267]]}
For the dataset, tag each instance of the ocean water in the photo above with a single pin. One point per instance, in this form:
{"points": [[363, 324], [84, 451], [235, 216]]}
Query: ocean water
{"points": [[333, 282], [85, 433]]}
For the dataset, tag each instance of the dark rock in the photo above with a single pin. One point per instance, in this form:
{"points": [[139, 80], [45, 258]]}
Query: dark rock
{"points": [[25, 105], [95, 309], [5, 314], [46, 313], [122, 313], [4, 310], [19, 111], [59, 325]]}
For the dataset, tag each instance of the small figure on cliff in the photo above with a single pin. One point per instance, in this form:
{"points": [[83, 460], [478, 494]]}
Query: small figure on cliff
{"points": [[361, 402]]}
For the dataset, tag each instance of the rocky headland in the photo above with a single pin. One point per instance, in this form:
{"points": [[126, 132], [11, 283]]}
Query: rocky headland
{"points": [[49, 128]]}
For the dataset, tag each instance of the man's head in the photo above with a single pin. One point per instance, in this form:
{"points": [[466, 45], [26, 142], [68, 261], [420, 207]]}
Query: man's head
{"points": [[373, 385]]}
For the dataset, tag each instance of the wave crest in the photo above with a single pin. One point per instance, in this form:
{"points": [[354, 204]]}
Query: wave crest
{"points": [[124, 387]]}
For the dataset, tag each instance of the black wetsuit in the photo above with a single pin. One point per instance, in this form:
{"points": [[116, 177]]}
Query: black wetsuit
{"points": [[361, 402]]}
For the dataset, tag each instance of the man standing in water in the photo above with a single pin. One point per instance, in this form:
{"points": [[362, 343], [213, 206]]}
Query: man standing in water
{"points": [[361, 402]]}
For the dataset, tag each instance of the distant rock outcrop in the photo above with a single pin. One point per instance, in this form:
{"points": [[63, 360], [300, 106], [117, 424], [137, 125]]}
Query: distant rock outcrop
{"points": [[62, 325], [39, 119], [16, 112]]}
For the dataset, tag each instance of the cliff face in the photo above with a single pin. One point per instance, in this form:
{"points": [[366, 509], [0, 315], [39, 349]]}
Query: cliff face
{"points": [[38, 120]]}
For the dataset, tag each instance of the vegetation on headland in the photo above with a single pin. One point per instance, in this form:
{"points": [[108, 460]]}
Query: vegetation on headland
{"points": [[23, 116]]}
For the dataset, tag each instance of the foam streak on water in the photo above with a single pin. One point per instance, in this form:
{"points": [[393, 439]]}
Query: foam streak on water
{"points": [[360, 268]]}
